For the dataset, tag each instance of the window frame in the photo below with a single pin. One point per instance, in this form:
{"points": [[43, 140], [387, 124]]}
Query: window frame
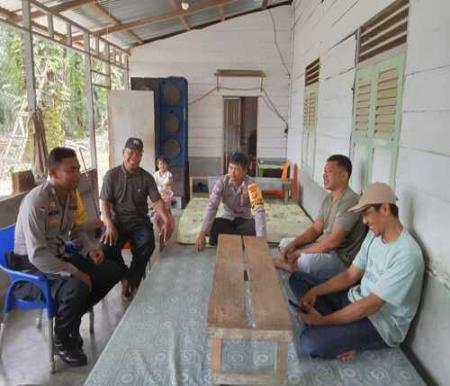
{"points": [[370, 141]]}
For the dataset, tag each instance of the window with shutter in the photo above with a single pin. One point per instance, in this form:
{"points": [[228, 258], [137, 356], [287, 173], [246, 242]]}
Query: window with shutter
{"points": [[378, 95], [310, 115]]}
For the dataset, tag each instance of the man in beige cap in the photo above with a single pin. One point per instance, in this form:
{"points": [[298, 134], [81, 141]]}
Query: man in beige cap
{"points": [[342, 316]]}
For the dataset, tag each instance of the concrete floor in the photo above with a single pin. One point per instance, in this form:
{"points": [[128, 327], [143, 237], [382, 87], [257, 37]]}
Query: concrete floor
{"points": [[25, 359], [25, 355]]}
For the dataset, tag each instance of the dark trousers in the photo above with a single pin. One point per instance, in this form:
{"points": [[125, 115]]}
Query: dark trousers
{"points": [[139, 231], [71, 296], [238, 226], [329, 341]]}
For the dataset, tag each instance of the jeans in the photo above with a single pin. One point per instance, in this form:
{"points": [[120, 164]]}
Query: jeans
{"points": [[321, 265], [329, 341]]}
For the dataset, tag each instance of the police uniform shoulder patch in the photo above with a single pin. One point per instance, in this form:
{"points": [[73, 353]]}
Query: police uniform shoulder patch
{"points": [[80, 215], [255, 196]]}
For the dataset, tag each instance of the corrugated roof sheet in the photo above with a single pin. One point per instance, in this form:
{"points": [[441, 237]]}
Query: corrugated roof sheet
{"points": [[203, 17], [129, 10], [159, 29], [125, 11]]}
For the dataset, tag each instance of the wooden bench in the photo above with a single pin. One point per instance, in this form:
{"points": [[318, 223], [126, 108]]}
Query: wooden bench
{"points": [[239, 259]]}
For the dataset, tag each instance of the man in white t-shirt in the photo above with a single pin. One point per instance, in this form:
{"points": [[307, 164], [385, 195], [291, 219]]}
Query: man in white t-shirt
{"points": [[342, 316]]}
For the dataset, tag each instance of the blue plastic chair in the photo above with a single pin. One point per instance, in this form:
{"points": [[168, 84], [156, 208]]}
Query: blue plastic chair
{"points": [[11, 302]]}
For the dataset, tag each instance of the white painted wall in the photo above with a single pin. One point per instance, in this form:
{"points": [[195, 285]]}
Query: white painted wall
{"points": [[424, 160], [322, 30], [245, 42], [424, 157], [422, 181]]}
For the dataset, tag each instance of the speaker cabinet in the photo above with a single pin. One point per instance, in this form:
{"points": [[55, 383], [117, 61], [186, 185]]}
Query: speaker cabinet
{"points": [[171, 126], [173, 102]]}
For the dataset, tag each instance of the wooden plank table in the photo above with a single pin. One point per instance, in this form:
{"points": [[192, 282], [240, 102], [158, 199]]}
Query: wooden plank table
{"points": [[241, 259]]}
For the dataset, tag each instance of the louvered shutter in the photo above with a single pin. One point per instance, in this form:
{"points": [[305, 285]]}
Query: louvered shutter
{"points": [[309, 124], [384, 32], [362, 104], [312, 73], [386, 102]]}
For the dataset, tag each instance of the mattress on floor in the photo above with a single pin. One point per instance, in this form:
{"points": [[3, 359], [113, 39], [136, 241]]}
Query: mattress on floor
{"points": [[162, 338], [283, 220]]}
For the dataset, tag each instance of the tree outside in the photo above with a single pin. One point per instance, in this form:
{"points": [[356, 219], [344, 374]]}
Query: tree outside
{"points": [[60, 83]]}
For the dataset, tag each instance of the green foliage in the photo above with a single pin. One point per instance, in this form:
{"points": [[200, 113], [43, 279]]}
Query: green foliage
{"points": [[76, 112], [60, 83], [12, 79], [62, 92]]}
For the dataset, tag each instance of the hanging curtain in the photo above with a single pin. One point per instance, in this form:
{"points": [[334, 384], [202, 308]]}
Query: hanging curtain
{"points": [[40, 151]]}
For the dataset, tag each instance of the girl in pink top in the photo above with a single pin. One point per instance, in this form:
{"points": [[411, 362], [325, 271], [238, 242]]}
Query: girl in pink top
{"points": [[164, 180]]}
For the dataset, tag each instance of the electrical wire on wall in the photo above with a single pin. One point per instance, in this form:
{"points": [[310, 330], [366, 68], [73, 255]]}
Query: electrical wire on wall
{"points": [[265, 97], [203, 96], [275, 39], [269, 103]]}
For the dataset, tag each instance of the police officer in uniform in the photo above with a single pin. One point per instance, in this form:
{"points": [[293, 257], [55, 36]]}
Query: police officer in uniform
{"points": [[239, 194], [124, 206], [48, 217]]}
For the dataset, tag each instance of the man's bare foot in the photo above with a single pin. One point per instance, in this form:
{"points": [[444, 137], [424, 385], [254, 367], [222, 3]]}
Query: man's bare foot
{"points": [[346, 356], [280, 263], [128, 291]]}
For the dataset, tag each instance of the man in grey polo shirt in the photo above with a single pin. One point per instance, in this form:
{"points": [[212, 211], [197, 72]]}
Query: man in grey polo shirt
{"points": [[329, 245], [124, 207]]}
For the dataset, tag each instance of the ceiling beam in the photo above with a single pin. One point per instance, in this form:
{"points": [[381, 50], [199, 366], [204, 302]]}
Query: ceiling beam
{"points": [[10, 16], [84, 30], [198, 6], [264, 4], [174, 6], [66, 6], [102, 11]]}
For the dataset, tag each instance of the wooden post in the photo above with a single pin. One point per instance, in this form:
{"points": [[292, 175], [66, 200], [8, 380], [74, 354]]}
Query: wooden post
{"points": [[90, 99], [29, 57]]}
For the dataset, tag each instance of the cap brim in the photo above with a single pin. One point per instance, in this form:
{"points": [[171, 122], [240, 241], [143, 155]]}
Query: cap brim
{"points": [[358, 208]]}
